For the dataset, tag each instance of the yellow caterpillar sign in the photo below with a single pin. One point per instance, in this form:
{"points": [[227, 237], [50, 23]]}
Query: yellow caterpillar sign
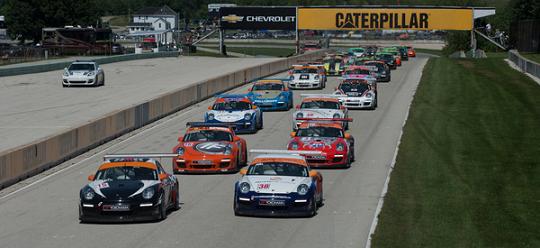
{"points": [[399, 18]]}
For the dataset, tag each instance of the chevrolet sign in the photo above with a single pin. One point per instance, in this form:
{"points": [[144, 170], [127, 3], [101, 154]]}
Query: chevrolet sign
{"points": [[256, 18]]}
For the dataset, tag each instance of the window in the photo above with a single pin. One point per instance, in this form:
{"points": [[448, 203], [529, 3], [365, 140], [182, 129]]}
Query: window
{"points": [[159, 25]]}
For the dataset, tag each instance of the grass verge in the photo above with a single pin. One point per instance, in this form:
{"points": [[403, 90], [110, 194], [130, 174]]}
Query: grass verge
{"points": [[532, 56], [429, 51], [468, 169]]}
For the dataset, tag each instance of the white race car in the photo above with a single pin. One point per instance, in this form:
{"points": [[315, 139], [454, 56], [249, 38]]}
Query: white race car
{"points": [[83, 73], [236, 110], [279, 183], [319, 106], [357, 94], [307, 77]]}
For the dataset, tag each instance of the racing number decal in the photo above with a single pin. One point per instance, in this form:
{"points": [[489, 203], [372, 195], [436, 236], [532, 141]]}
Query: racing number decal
{"points": [[263, 186]]}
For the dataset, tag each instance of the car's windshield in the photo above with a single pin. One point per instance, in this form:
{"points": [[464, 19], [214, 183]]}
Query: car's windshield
{"points": [[127, 173], [320, 132], [320, 105], [232, 105], [267, 86], [358, 71], [358, 88], [208, 135], [306, 70], [278, 169], [380, 67], [81, 67], [386, 56]]}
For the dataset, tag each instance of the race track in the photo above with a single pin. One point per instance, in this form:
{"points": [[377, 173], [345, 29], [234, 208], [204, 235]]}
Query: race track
{"points": [[44, 214], [34, 106]]}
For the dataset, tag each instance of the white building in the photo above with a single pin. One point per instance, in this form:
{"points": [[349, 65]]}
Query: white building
{"points": [[160, 22]]}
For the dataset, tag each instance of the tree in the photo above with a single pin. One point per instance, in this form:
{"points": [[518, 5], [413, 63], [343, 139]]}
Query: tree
{"points": [[26, 18]]}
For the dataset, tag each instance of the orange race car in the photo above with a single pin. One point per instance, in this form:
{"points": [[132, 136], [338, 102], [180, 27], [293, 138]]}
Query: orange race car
{"points": [[209, 148], [411, 52]]}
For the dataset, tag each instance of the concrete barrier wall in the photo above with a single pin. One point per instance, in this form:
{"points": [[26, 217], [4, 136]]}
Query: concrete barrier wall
{"points": [[19, 70], [524, 64], [28, 160]]}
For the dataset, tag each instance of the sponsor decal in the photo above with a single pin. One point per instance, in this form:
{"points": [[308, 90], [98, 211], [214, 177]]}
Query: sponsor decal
{"points": [[211, 147], [263, 186], [257, 18], [388, 18], [103, 185]]}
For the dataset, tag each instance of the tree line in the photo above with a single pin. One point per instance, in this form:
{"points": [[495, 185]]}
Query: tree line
{"points": [[26, 18]]}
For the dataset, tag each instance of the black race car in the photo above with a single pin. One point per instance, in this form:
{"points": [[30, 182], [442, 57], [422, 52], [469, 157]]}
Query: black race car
{"points": [[128, 189]]}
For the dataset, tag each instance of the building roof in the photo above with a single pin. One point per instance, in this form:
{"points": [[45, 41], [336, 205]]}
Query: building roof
{"points": [[164, 10]]}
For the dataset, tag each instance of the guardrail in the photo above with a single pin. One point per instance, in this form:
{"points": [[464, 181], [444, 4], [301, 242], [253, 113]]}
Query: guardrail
{"points": [[19, 70], [524, 64], [27, 160]]}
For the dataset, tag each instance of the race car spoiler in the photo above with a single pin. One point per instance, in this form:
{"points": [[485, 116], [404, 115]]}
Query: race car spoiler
{"points": [[325, 119], [300, 65], [280, 79], [206, 124], [295, 152], [140, 155], [232, 96], [321, 95]]}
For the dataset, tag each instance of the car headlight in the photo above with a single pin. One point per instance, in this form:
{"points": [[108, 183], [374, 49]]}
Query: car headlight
{"points": [[66, 73], [317, 77], [228, 150], [148, 193], [247, 117], [91, 73], [210, 116], [89, 194], [369, 95], [340, 147], [244, 188], [302, 189], [291, 77], [294, 146], [299, 115], [180, 151], [336, 115]]}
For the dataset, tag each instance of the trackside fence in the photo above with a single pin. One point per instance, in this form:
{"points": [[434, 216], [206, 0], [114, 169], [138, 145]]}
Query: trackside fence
{"points": [[27, 160], [524, 64]]}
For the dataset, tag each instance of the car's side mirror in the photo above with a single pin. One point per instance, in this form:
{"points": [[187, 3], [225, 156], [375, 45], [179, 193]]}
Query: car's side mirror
{"points": [[293, 134], [243, 171], [180, 139], [163, 176], [91, 177], [209, 107], [313, 173], [347, 135]]}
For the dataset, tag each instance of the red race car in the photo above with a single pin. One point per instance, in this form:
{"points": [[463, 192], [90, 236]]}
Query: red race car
{"points": [[328, 136], [209, 148]]}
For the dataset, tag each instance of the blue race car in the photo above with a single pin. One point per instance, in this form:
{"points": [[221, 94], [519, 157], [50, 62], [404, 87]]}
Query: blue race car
{"points": [[236, 110], [271, 94]]}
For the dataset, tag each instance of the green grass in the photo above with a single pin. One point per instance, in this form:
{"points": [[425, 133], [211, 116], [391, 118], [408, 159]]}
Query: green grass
{"points": [[261, 51], [468, 168], [532, 56], [120, 21], [429, 51]]}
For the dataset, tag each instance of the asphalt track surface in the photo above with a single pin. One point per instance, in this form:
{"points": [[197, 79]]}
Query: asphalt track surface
{"points": [[34, 106], [44, 214]]}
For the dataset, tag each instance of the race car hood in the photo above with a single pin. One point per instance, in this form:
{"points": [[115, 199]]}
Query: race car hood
{"points": [[266, 94], [359, 76], [275, 184], [319, 113], [120, 188], [304, 76], [316, 143], [80, 73], [230, 116], [205, 147]]}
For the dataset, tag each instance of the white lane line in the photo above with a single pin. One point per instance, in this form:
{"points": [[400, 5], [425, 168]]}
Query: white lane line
{"points": [[98, 153], [387, 180]]}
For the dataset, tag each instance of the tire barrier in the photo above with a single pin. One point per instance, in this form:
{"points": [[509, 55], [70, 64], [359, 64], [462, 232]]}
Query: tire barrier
{"points": [[22, 162]]}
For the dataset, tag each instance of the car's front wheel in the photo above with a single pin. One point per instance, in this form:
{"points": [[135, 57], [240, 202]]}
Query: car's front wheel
{"points": [[163, 208]]}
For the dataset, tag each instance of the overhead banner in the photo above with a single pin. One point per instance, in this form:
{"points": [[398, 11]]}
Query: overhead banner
{"points": [[385, 18], [256, 18]]}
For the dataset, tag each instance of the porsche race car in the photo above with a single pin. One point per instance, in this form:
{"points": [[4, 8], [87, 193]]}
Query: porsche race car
{"points": [[319, 106], [333, 65], [271, 94], [306, 77], [237, 110], [279, 183], [129, 187], [209, 148], [327, 136], [357, 94]]}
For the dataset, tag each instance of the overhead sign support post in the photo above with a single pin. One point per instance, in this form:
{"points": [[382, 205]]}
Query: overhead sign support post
{"points": [[297, 34]]}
